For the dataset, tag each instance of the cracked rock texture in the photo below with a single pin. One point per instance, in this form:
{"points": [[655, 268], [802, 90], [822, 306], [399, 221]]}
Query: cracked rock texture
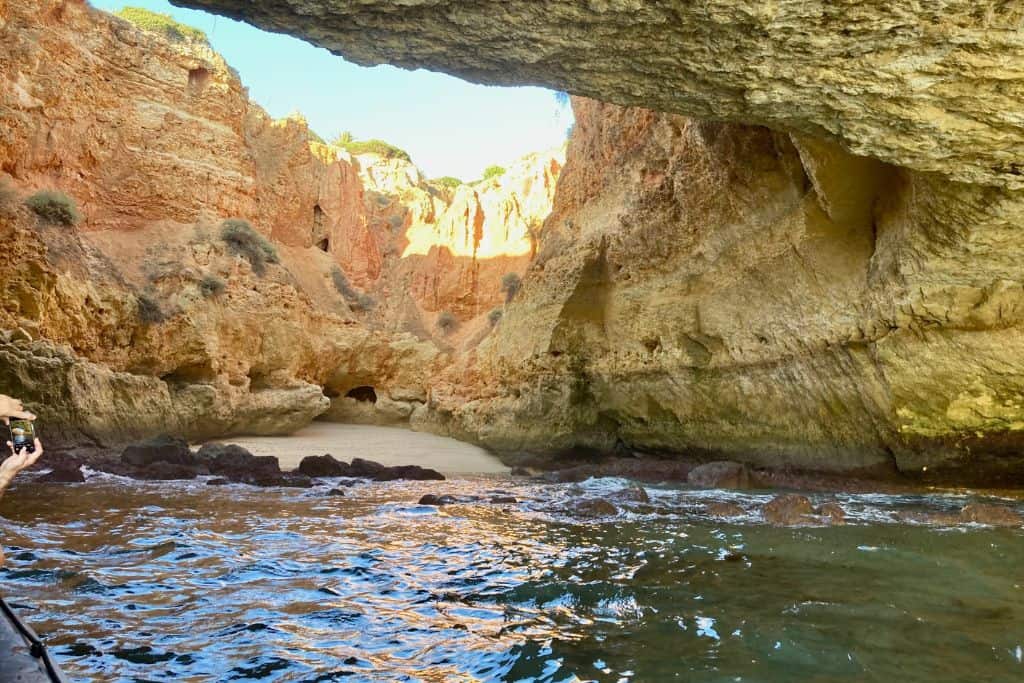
{"points": [[932, 85], [729, 290]]}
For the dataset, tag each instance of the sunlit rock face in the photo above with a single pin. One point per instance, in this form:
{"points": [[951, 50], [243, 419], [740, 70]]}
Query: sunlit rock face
{"points": [[724, 289], [448, 249], [933, 85], [157, 143]]}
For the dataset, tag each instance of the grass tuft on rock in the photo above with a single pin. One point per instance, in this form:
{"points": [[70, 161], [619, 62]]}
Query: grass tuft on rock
{"points": [[244, 241], [211, 286], [164, 24], [358, 301], [494, 172], [510, 284], [149, 310], [448, 182], [446, 322], [55, 208], [494, 316]]}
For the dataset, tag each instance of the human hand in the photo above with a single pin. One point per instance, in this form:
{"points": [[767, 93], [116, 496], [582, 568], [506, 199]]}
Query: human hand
{"points": [[12, 407], [10, 467]]}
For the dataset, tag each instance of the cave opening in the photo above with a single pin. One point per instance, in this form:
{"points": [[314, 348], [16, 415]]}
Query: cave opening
{"points": [[198, 79], [324, 244], [365, 394]]}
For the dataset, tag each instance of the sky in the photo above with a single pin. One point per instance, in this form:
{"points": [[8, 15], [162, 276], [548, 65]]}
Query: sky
{"points": [[448, 126]]}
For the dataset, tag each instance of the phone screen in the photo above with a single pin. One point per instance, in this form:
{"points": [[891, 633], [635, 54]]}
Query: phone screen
{"points": [[23, 435]]}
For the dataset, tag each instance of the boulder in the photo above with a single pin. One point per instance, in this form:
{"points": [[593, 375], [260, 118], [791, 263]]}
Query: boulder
{"points": [[992, 515], [323, 466], [164, 471], [724, 510], [722, 474], [833, 512], [335, 492], [588, 508], [433, 499], [368, 469], [163, 449], [65, 469], [631, 494], [501, 500], [789, 509], [238, 464]]}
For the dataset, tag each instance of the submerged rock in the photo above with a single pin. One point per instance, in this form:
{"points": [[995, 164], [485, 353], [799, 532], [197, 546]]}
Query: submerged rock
{"points": [[433, 499], [722, 474], [993, 515], [725, 510], [833, 512], [590, 508], [789, 509]]}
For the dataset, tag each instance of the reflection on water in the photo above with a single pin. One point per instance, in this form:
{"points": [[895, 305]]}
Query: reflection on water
{"points": [[154, 582]]}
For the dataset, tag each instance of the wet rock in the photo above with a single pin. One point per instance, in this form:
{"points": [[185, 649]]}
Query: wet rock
{"points": [[591, 507], [219, 481], [335, 492], [724, 510], [520, 472], [833, 512], [323, 466], [368, 469], [723, 474], [64, 469], [930, 518], [238, 464], [789, 509], [500, 500], [159, 449], [286, 479], [164, 471], [432, 499], [631, 494], [992, 515]]}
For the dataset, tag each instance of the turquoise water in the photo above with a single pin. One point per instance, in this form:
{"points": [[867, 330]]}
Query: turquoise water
{"points": [[132, 581]]}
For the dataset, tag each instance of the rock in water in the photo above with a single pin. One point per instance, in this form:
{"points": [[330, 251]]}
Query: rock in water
{"points": [[588, 508], [323, 466], [789, 509], [833, 512], [435, 500], [993, 515], [725, 510], [164, 449], [722, 474]]}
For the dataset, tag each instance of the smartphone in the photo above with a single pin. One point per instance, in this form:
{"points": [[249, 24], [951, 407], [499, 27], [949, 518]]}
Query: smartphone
{"points": [[23, 435]]}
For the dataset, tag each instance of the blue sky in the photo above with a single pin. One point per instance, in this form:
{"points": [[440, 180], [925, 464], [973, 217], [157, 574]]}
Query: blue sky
{"points": [[448, 126]]}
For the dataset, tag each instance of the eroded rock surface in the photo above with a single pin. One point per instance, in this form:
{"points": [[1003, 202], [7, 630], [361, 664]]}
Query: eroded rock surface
{"points": [[934, 86]]}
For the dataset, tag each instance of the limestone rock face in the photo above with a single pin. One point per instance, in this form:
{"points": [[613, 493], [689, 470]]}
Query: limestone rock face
{"points": [[732, 291], [140, 319], [933, 85]]}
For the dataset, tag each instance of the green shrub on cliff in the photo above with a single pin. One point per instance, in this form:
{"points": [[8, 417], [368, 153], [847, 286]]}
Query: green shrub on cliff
{"points": [[494, 172], [163, 24], [211, 286], [346, 142], [244, 241], [450, 182], [54, 207], [446, 322]]}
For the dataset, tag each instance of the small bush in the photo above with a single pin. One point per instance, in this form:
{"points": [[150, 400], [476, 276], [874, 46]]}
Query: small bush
{"points": [[494, 172], [54, 207], [494, 316], [510, 284], [244, 241], [149, 310], [384, 149], [446, 322], [450, 182], [358, 301], [211, 286], [163, 24]]}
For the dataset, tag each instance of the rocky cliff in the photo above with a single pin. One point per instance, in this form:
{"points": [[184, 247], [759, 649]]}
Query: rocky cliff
{"points": [[829, 279], [142, 317]]}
